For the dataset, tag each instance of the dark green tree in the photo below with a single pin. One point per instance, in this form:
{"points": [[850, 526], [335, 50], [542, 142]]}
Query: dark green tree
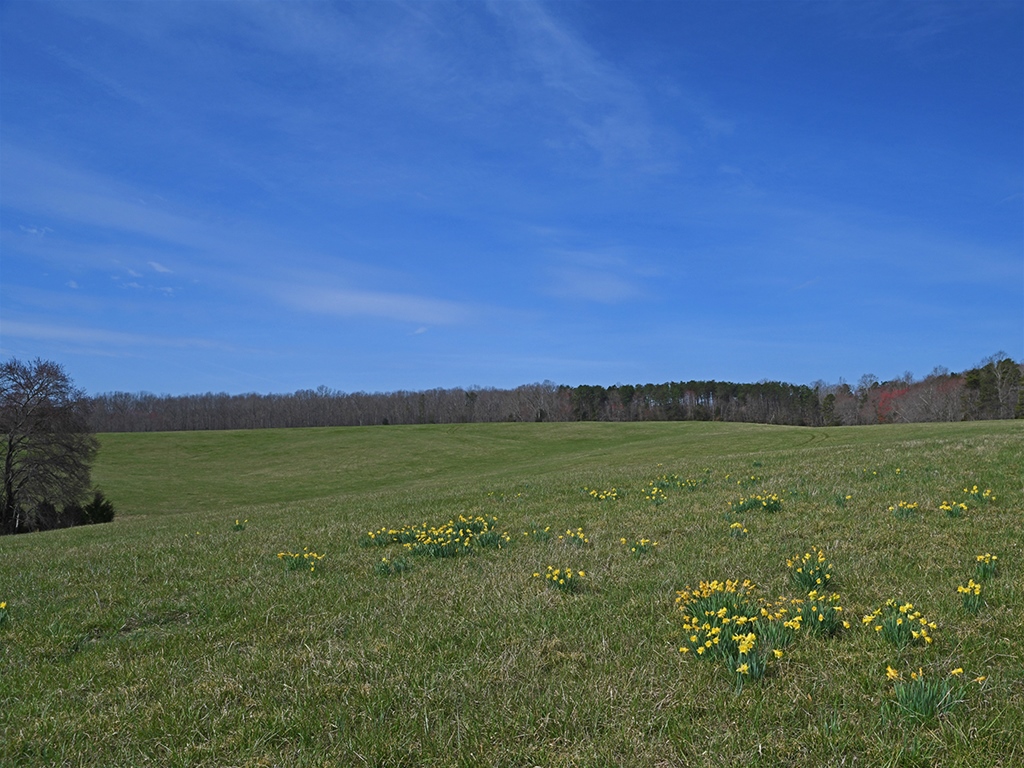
{"points": [[48, 444]]}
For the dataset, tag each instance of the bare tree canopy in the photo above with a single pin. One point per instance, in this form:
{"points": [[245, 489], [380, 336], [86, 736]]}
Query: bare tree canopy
{"points": [[48, 445]]}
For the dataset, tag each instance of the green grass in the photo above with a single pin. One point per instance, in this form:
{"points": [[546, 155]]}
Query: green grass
{"points": [[169, 638]]}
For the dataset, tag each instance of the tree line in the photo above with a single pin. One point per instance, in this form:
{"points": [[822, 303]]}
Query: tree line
{"points": [[991, 390]]}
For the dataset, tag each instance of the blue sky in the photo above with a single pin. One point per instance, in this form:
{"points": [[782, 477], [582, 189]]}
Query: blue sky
{"points": [[375, 196]]}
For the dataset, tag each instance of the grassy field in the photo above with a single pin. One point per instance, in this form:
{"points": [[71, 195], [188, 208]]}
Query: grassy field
{"points": [[173, 637]]}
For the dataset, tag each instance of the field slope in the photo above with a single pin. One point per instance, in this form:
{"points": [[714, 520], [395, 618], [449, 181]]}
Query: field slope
{"points": [[173, 636]]}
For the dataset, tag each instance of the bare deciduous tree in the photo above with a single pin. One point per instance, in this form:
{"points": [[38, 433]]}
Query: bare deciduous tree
{"points": [[48, 444]]}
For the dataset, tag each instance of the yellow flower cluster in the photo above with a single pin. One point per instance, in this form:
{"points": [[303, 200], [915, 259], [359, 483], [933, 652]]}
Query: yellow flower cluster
{"points": [[609, 494], [655, 494], [985, 495], [986, 566], [715, 587], [810, 570], [972, 588], [896, 675], [577, 537], [716, 610], [903, 508], [455, 537], [738, 530], [566, 579], [971, 595], [745, 642], [640, 546], [297, 560], [822, 613], [901, 625], [725, 619], [953, 509]]}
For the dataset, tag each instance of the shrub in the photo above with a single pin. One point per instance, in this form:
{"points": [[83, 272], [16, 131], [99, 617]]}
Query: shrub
{"points": [[99, 510]]}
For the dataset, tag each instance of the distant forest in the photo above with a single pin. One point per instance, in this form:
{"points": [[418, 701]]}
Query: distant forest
{"points": [[992, 390]]}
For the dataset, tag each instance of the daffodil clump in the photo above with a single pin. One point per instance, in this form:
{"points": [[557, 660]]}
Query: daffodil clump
{"points": [[726, 620], [3, 613], [738, 530], [751, 480], [974, 494], [777, 625], [973, 497], [748, 663], [299, 561], [387, 567], [900, 624], [379, 538], [765, 502], [577, 537], [953, 508], [822, 615], [904, 508], [240, 524], [606, 494], [923, 698], [564, 579], [987, 566], [714, 612], [971, 594], [812, 570], [456, 537], [655, 494], [841, 499], [715, 594], [639, 547]]}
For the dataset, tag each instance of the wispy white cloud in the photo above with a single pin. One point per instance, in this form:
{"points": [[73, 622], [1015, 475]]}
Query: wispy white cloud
{"points": [[39, 185], [606, 276], [608, 111], [84, 335], [360, 303], [158, 267], [601, 287], [35, 231]]}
